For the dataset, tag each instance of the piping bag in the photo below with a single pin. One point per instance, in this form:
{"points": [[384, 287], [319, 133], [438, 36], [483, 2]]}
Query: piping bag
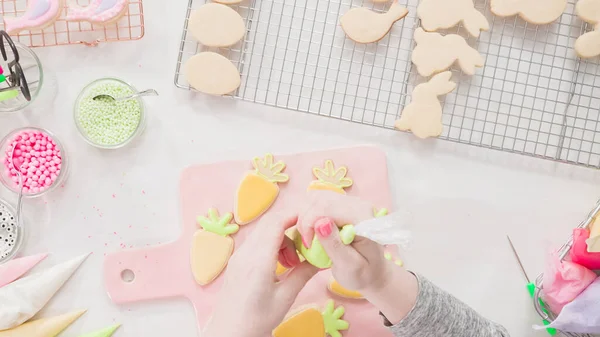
{"points": [[386, 230], [391, 229]]}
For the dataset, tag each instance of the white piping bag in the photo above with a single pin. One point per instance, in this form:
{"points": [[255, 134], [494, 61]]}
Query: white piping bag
{"points": [[22, 299], [392, 229]]}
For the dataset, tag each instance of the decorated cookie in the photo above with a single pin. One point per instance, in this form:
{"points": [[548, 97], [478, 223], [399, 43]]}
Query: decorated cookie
{"points": [[435, 53], [362, 25], [14, 269], [309, 322], [588, 44], [43, 327], [24, 298], [423, 116], [538, 12], [212, 74], [212, 246], [100, 12], [593, 243], [443, 14], [106, 332], [316, 254], [259, 189], [39, 14], [339, 290], [216, 25], [330, 179]]}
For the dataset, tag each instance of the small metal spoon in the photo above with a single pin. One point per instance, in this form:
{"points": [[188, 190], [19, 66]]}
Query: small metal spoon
{"points": [[149, 92]]}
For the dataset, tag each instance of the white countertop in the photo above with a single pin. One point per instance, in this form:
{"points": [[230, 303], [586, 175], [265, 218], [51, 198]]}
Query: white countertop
{"points": [[465, 200]]}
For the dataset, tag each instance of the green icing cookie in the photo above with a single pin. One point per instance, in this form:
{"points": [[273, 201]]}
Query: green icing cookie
{"points": [[316, 254], [106, 332]]}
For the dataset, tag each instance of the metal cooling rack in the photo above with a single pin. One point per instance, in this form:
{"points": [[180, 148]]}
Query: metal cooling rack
{"points": [[129, 27], [533, 96]]}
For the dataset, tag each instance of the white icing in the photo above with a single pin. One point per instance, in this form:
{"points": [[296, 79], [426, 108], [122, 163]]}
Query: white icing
{"points": [[105, 5], [40, 8], [23, 298]]}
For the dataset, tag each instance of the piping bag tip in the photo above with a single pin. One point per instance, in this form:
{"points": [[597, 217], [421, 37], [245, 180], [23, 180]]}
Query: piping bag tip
{"points": [[392, 229]]}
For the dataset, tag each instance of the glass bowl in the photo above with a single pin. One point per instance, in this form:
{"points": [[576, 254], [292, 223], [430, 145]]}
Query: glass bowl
{"points": [[6, 148], [11, 234], [94, 89], [32, 68]]}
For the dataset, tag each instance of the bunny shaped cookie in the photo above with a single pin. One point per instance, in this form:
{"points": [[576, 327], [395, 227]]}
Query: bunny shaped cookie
{"points": [[588, 44], [423, 116], [538, 12], [435, 53], [442, 14]]}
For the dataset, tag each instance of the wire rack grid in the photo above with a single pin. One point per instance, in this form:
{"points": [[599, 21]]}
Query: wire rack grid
{"points": [[62, 32], [533, 96]]}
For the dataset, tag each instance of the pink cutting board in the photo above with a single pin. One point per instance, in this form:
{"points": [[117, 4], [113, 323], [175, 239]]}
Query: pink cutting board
{"points": [[164, 271]]}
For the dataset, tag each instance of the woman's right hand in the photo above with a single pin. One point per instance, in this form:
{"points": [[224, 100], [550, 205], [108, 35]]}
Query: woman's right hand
{"points": [[360, 266]]}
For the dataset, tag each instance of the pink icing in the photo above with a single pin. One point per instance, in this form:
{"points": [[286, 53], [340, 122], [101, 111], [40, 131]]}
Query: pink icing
{"points": [[39, 14], [98, 11], [14, 269]]}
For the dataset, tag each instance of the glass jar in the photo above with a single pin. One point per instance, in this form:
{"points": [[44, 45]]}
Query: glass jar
{"points": [[6, 150], [94, 89], [32, 68], [11, 233]]}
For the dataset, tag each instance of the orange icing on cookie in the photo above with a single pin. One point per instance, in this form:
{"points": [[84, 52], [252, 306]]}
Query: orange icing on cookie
{"points": [[280, 269], [44, 327], [259, 190], [330, 179], [340, 290], [306, 323]]}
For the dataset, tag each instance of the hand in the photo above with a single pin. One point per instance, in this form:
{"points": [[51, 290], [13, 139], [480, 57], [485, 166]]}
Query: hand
{"points": [[360, 266], [252, 301]]}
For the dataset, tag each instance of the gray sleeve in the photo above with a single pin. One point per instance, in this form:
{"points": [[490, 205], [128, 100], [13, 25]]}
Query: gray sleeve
{"points": [[437, 313]]}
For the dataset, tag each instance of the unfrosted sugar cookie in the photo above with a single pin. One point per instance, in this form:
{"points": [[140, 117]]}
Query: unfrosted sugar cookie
{"points": [[443, 14], [588, 44], [211, 73], [101, 12], [38, 15], [216, 25], [310, 322], [362, 25], [435, 53], [538, 12], [423, 116]]}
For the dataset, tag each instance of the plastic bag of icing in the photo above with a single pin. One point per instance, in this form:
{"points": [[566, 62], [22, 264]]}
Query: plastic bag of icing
{"points": [[582, 315], [22, 299], [392, 229]]}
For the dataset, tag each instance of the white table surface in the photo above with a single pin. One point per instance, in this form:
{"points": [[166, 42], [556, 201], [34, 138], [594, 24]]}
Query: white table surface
{"points": [[465, 200]]}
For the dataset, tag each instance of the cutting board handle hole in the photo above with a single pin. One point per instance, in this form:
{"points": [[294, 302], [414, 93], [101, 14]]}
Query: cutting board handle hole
{"points": [[127, 276]]}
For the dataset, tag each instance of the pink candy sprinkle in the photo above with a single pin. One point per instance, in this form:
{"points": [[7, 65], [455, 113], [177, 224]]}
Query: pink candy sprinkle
{"points": [[39, 169]]}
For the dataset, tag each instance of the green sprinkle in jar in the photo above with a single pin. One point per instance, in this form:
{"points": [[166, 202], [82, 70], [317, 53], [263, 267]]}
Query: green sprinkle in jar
{"points": [[105, 123]]}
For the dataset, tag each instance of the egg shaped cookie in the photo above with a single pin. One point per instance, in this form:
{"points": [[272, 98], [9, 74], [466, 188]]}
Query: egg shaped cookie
{"points": [[216, 25], [211, 73]]}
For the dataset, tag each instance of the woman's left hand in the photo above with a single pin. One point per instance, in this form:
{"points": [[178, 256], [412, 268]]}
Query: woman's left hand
{"points": [[253, 301]]}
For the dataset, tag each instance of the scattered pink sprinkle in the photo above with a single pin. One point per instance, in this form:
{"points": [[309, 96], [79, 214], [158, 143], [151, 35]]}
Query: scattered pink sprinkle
{"points": [[104, 254], [130, 226], [115, 233], [89, 236], [130, 246], [94, 207], [114, 195], [143, 192], [145, 256], [105, 244]]}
